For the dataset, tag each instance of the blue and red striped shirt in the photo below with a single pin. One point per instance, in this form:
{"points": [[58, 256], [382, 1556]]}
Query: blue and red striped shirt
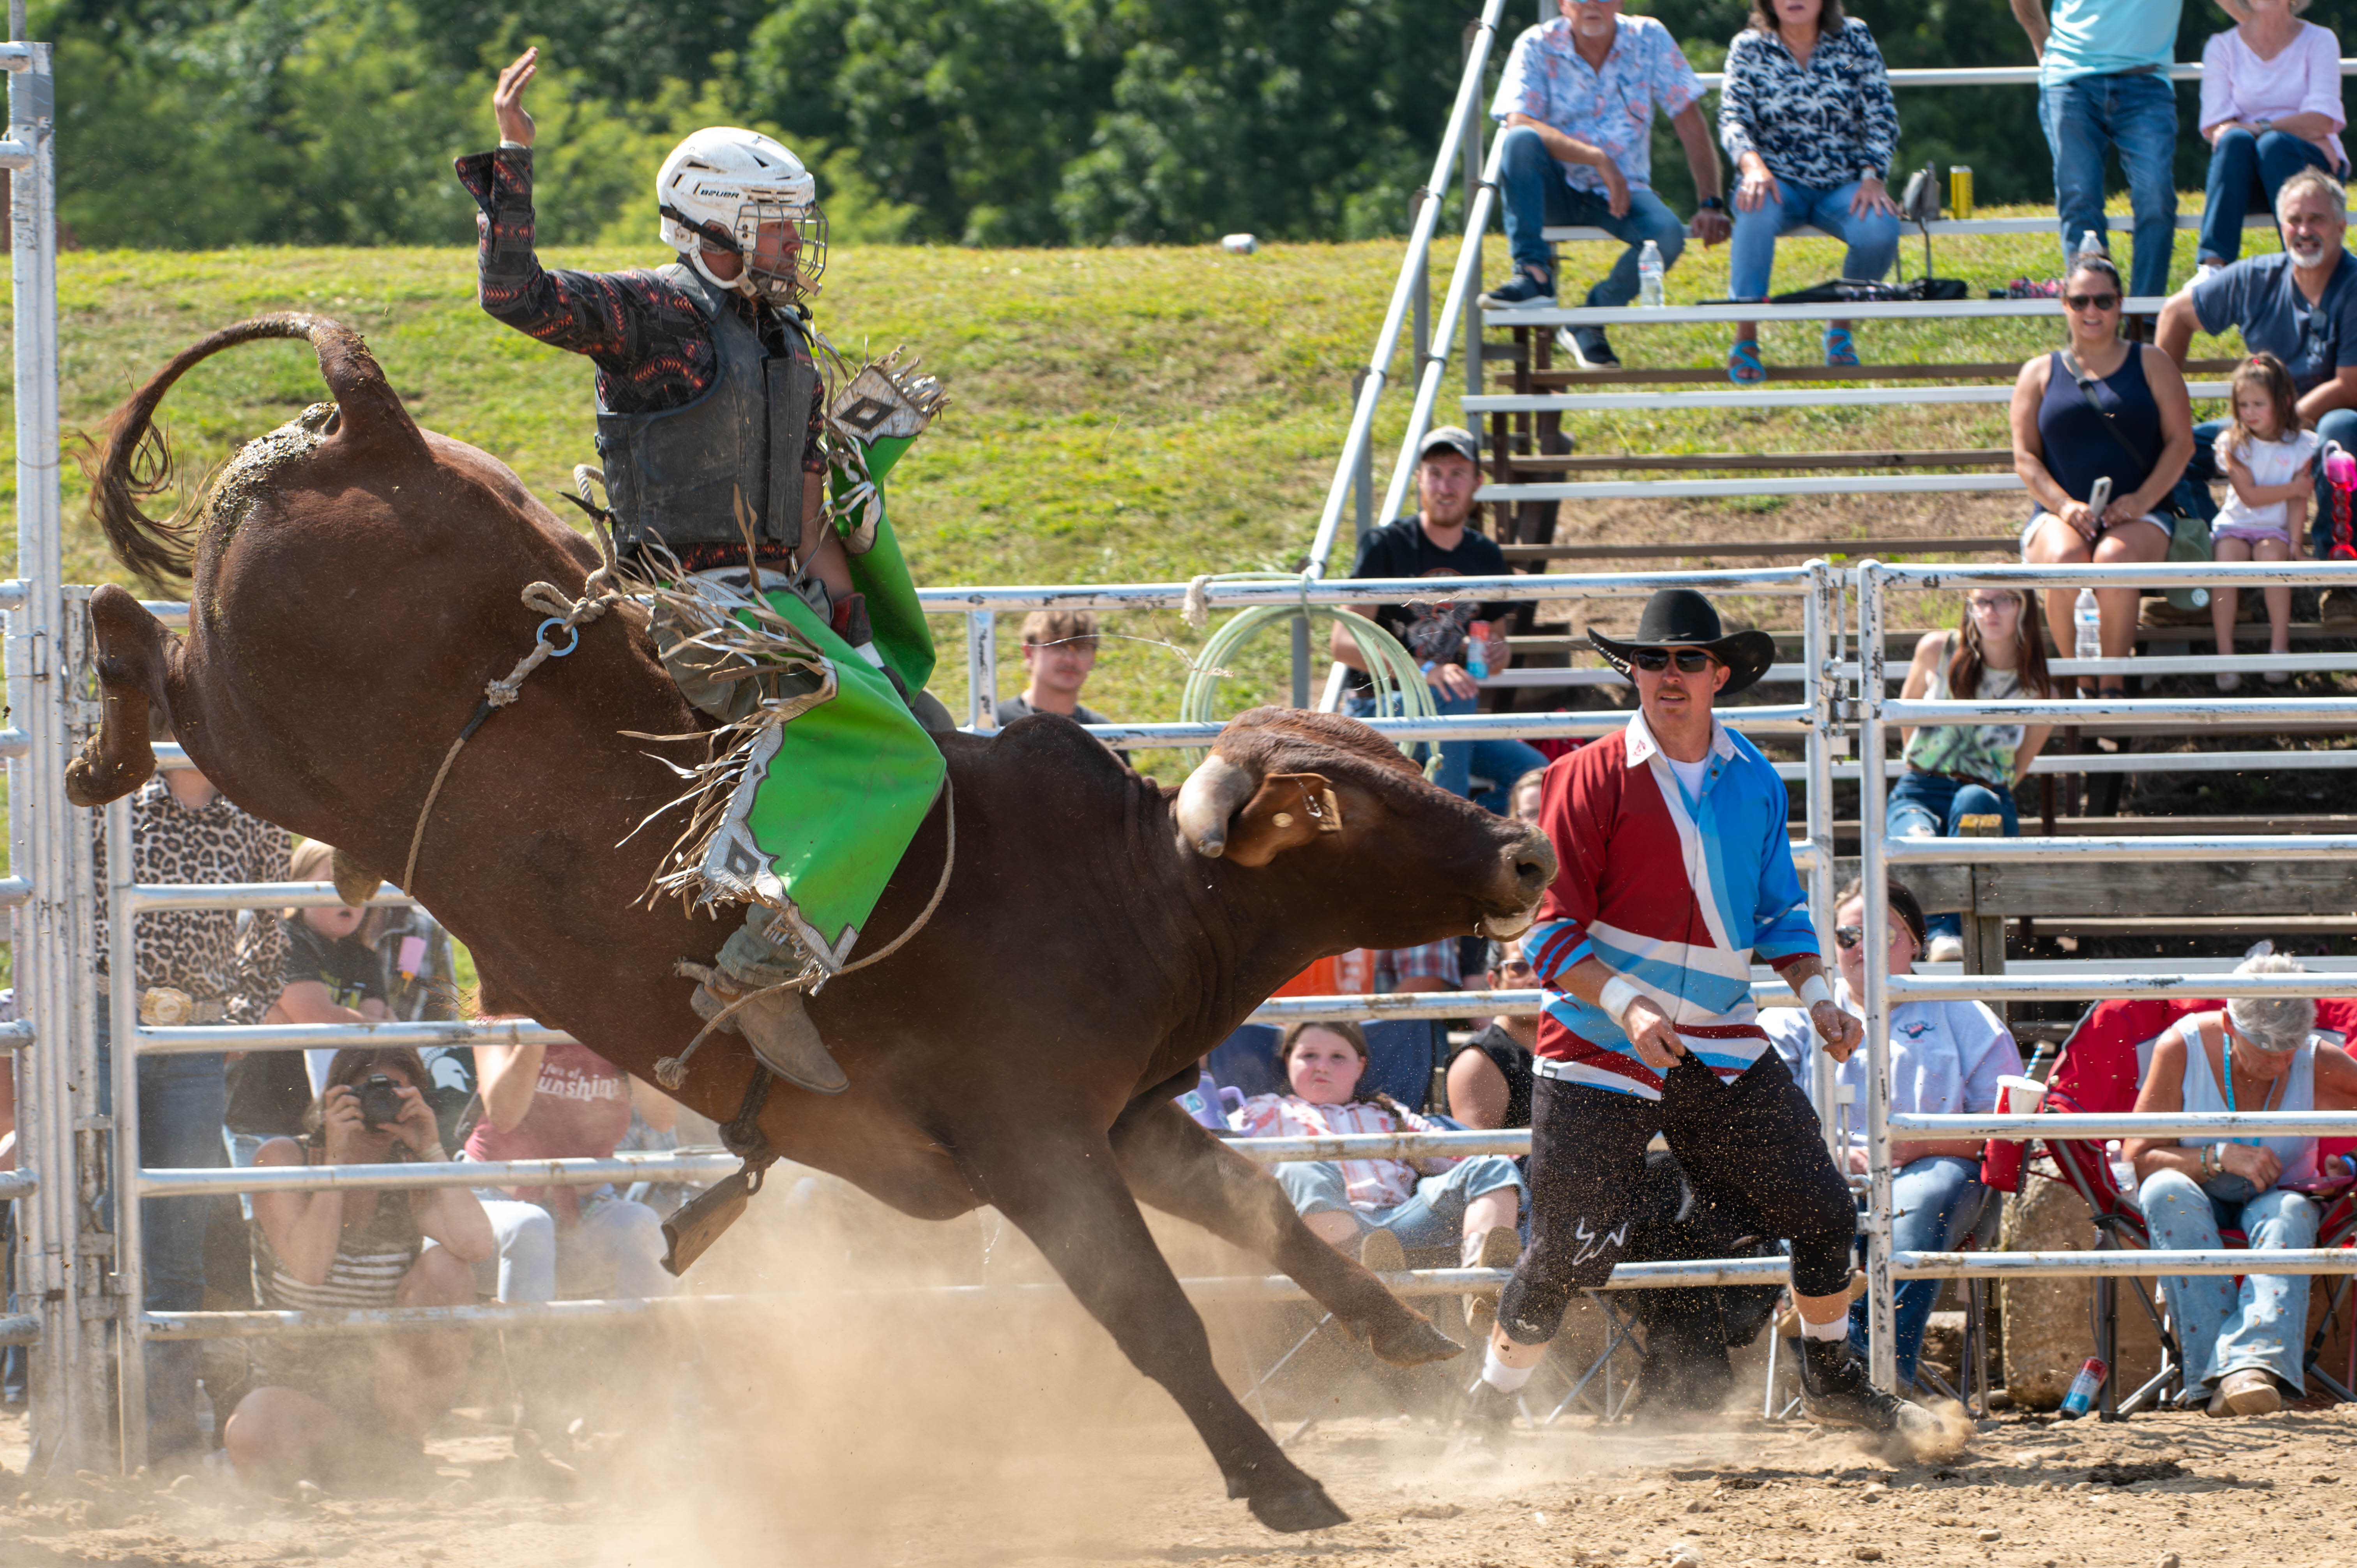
{"points": [[1677, 894]]}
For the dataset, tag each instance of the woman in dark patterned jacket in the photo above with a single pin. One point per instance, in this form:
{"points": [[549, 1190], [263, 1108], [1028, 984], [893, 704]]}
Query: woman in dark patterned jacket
{"points": [[1805, 112]]}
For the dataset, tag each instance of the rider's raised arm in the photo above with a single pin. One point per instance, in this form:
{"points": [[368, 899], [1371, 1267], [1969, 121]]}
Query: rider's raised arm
{"points": [[601, 314]]}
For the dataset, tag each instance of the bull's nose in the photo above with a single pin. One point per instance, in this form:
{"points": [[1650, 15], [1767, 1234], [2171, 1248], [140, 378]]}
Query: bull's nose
{"points": [[1534, 864]]}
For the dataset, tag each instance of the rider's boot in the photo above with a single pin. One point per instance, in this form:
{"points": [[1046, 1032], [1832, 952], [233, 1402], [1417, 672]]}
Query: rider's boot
{"points": [[1834, 1388], [777, 1026]]}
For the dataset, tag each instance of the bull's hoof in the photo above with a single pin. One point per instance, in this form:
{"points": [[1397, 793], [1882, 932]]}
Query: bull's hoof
{"points": [[1305, 1508], [1414, 1343]]}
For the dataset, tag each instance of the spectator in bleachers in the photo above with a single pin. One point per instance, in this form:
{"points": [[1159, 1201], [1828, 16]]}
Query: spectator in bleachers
{"points": [[189, 969], [557, 1103], [327, 1407], [2242, 1340], [1805, 112], [1378, 1209], [2269, 464], [2103, 84], [1954, 771], [331, 974], [1059, 648], [1440, 542], [2270, 107], [1525, 797], [2300, 306], [1490, 1075], [2103, 408], [1945, 1059], [1577, 101]]}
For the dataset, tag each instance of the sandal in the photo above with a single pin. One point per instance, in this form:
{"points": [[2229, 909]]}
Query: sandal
{"points": [[1841, 351], [1743, 366]]}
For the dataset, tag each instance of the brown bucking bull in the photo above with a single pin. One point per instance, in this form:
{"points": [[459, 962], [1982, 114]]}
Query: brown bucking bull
{"points": [[357, 581]]}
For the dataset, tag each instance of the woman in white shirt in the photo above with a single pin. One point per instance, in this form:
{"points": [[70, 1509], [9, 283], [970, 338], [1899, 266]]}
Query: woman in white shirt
{"points": [[2270, 107], [1944, 1057]]}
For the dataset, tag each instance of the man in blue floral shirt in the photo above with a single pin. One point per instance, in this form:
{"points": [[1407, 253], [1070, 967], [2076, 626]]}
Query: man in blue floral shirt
{"points": [[1577, 101]]}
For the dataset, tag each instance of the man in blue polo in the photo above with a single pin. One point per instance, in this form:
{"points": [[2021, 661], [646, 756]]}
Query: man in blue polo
{"points": [[2299, 304], [1676, 873]]}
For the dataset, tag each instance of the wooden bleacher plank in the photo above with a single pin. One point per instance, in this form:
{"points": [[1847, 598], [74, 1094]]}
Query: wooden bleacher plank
{"points": [[1597, 463], [2125, 890], [1900, 644], [1804, 549], [1552, 380]]}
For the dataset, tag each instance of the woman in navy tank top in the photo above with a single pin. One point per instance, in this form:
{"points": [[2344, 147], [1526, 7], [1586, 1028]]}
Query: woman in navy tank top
{"points": [[2122, 415]]}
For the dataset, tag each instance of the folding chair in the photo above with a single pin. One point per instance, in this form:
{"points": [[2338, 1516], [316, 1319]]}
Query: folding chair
{"points": [[2100, 1069]]}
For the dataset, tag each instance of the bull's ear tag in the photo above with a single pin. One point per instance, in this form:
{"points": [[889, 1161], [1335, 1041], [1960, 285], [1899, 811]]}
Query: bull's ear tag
{"points": [[1287, 811]]}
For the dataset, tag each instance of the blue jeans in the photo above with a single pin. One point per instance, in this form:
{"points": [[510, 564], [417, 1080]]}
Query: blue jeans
{"points": [[1434, 1218], [2136, 113], [1500, 761], [182, 1100], [1933, 806], [2241, 165], [2340, 424], [1751, 257], [1530, 184], [2223, 1327], [1934, 1205]]}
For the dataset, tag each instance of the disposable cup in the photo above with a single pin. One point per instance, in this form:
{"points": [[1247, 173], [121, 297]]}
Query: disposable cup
{"points": [[2020, 1096]]}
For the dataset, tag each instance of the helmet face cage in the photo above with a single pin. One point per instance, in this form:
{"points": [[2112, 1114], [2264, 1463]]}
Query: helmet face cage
{"points": [[807, 259]]}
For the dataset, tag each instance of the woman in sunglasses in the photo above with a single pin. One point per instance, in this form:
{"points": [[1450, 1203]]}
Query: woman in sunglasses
{"points": [[2102, 411], [1954, 771], [1945, 1057]]}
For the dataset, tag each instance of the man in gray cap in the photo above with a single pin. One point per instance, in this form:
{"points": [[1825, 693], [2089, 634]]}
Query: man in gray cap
{"points": [[1445, 637]]}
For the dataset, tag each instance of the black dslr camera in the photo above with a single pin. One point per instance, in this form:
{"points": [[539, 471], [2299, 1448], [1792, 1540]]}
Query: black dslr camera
{"points": [[380, 1100]]}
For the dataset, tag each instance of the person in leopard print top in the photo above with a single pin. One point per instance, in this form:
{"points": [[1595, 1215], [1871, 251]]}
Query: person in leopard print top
{"points": [[185, 831]]}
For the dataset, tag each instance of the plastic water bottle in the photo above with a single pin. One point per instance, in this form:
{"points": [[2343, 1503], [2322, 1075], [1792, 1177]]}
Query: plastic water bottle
{"points": [[2088, 244], [2124, 1175], [2087, 619], [1477, 650], [2082, 1397], [1650, 272]]}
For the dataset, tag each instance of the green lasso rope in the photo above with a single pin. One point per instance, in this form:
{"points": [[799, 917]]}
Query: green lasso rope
{"points": [[1399, 683]]}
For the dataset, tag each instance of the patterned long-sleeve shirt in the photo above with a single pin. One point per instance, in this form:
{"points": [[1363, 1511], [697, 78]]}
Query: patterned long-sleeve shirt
{"points": [[1611, 108], [1676, 896], [1823, 124], [649, 343], [198, 951], [1373, 1185]]}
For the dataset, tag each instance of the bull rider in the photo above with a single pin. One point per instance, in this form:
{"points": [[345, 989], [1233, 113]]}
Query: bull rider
{"points": [[1676, 870], [723, 458]]}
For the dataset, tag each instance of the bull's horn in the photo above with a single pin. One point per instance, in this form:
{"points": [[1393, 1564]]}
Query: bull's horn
{"points": [[1206, 802]]}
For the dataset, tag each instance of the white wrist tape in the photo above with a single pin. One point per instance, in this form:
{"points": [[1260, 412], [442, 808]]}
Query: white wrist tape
{"points": [[1815, 990], [1618, 992]]}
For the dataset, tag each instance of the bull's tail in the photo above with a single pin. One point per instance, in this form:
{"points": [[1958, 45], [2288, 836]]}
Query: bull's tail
{"points": [[138, 462]]}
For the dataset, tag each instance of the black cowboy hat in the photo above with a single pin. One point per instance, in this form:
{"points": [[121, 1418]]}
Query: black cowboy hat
{"points": [[1680, 618]]}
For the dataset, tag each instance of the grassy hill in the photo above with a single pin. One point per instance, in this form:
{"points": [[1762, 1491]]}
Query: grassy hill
{"points": [[1132, 414]]}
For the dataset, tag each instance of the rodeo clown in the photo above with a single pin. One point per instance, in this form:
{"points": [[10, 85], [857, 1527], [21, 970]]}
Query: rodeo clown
{"points": [[723, 456]]}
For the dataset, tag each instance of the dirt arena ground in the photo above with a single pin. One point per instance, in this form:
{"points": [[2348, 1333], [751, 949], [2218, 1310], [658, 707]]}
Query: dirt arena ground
{"points": [[816, 1430], [2271, 1491]]}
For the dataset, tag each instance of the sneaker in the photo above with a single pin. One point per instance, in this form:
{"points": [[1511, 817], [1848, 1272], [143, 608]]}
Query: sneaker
{"points": [[1588, 348], [2203, 273], [2230, 681], [1946, 948], [1521, 291], [2250, 1392], [1834, 1388]]}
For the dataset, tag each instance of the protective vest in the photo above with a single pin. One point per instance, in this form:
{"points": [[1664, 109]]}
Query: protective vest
{"points": [[674, 475]]}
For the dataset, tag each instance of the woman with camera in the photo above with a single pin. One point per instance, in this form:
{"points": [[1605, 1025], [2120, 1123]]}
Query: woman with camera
{"points": [[322, 1406]]}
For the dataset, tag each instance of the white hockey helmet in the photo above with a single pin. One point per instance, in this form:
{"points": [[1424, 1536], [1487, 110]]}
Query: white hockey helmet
{"points": [[720, 187]]}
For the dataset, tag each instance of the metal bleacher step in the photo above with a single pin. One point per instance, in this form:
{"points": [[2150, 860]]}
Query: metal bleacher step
{"points": [[1609, 462], [2118, 223], [1802, 549], [1554, 380]]}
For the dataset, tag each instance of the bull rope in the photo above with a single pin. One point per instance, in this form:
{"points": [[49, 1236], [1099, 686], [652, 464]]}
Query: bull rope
{"points": [[566, 616], [671, 1072]]}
